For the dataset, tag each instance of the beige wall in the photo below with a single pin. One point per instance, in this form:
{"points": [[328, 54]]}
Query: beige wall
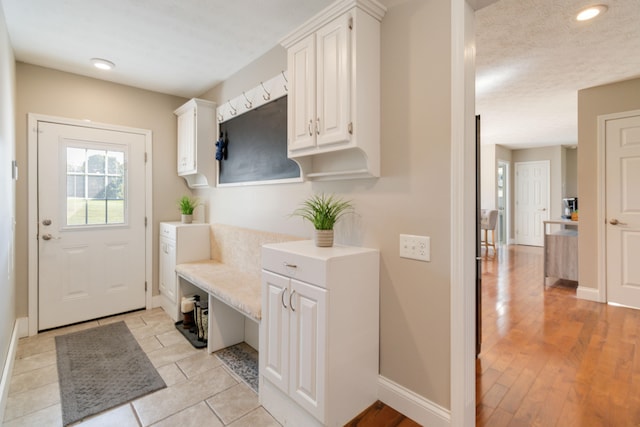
{"points": [[45, 91], [412, 196], [7, 194], [570, 173], [593, 102]]}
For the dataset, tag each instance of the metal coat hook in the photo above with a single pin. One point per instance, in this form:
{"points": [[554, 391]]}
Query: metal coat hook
{"points": [[220, 117], [233, 110], [286, 81], [268, 95], [249, 104]]}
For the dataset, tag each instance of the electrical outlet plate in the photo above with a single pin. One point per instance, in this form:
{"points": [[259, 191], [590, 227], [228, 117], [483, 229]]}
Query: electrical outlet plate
{"points": [[415, 247]]}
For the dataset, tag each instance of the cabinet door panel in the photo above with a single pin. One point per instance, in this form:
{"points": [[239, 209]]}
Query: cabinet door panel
{"points": [[274, 339], [301, 103], [307, 346], [187, 142], [333, 87], [167, 269]]}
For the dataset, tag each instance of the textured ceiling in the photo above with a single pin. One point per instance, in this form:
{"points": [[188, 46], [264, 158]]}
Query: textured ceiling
{"points": [[533, 57], [180, 47]]}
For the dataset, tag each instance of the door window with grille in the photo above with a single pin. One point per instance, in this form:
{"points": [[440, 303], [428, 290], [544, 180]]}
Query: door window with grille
{"points": [[95, 186]]}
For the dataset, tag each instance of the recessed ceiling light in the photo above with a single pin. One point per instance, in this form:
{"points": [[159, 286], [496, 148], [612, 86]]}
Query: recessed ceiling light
{"points": [[102, 64], [591, 12]]}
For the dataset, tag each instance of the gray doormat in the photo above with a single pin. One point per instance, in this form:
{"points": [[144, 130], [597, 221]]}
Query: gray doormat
{"points": [[101, 368], [243, 360]]}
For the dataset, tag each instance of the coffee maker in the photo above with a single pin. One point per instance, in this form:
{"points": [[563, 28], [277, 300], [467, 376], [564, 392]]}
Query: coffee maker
{"points": [[570, 206]]}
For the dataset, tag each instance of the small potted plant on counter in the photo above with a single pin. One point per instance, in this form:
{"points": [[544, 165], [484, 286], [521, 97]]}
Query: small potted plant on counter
{"points": [[323, 212], [187, 205]]}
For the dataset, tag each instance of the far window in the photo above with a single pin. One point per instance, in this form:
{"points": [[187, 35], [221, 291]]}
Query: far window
{"points": [[95, 186]]}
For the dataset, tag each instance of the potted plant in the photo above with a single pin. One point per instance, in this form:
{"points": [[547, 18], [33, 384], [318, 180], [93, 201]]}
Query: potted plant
{"points": [[187, 204], [323, 212]]}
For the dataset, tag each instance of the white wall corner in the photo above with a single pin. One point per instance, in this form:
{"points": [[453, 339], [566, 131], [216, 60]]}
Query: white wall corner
{"points": [[411, 404], [5, 379]]}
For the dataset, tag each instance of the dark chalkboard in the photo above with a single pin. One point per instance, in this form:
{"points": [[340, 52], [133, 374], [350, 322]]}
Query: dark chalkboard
{"points": [[257, 148]]}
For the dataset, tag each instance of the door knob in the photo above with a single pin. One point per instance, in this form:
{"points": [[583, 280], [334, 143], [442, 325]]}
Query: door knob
{"points": [[46, 237], [616, 222], [46, 222]]}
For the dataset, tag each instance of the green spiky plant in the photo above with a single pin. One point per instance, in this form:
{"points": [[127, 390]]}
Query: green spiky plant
{"points": [[187, 205], [323, 211]]}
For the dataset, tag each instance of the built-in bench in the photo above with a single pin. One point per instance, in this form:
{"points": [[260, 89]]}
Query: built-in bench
{"points": [[231, 280]]}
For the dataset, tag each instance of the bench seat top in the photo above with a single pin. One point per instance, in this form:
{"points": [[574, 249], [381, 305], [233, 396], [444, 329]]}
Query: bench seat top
{"points": [[239, 290]]}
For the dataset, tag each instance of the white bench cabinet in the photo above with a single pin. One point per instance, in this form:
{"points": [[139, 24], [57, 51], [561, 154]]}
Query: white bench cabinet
{"points": [[179, 243], [319, 332]]}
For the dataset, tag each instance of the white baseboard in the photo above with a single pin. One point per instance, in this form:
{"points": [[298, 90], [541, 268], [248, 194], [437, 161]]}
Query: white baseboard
{"points": [[5, 379], [590, 294], [411, 404]]}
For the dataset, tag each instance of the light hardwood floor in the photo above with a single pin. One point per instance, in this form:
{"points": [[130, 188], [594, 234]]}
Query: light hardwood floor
{"points": [[548, 358]]}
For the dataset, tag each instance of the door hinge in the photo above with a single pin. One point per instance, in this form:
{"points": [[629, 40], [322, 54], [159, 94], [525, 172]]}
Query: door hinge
{"points": [[145, 286], [351, 23], [145, 157], [145, 221], [350, 128]]}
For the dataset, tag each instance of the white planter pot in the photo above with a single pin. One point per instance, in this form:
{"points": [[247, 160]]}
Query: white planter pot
{"points": [[187, 219]]}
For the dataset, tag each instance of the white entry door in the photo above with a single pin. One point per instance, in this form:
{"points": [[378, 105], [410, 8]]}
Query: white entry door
{"points": [[532, 202], [91, 223], [622, 145]]}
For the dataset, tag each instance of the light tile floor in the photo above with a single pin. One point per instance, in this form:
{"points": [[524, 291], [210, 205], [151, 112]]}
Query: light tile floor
{"points": [[201, 391]]}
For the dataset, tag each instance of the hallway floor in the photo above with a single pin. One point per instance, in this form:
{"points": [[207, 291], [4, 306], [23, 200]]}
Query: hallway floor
{"points": [[200, 391], [548, 358]]}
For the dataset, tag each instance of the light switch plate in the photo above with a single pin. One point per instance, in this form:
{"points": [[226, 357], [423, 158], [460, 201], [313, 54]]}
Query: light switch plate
{"points": [[415, 247]]}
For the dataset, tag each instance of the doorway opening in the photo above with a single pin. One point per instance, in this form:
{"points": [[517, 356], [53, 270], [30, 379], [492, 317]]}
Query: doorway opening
{"points": [[503, 202]]}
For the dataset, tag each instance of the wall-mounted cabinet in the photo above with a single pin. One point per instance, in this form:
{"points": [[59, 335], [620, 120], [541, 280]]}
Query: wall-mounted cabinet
{"points": [[196, 142], [334, 97]]}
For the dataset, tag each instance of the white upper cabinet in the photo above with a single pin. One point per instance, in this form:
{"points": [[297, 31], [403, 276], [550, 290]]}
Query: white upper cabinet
{"points": [[334, 96], [319, 109], [196, 142]]}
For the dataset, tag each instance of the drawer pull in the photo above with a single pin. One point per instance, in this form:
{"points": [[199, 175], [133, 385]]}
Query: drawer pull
{"points": [[287, 265], [291, 301], [282, 298]]}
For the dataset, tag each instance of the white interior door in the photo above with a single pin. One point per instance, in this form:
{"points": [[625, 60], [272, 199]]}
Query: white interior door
{"points": [[622, 145], [532, 202], [91, 223]]}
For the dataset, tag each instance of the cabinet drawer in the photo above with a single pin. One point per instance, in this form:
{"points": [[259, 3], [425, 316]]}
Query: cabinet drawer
{"points": [[310, 270], [168, 231]]}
